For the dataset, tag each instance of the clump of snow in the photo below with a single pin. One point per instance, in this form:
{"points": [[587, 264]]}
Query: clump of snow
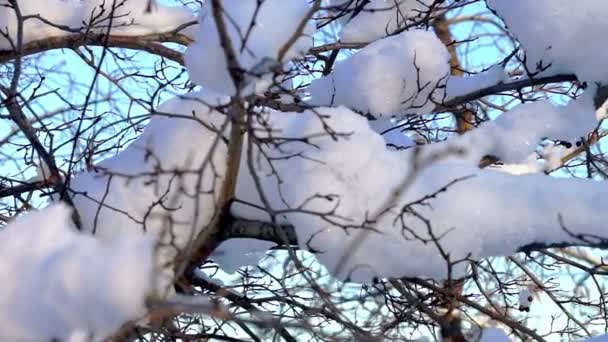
{"points": [[64, 17], [256, 34], [131, 17], [462, 85], [59, 12], [531, 166], [553, 154], [79, 336], [235, 253], [526, 297], [340, 202], [378, 18], [136, 190], [335, 197], [391, 132], [493, 335], [516, 134], [396, 75], [488, 215], [59, 281], [560, 36]]}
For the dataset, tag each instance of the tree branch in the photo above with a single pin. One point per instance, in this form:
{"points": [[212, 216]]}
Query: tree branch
{"points": [[243, 228], [149, 43], [502, 87]]}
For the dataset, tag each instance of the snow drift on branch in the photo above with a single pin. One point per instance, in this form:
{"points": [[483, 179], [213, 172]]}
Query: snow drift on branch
{"points": [[138, 189], [390, 130], [375, 212], [53, 18], [378, 212], [57, 280], [561, 35], [463, 85], [377, 18], [393, 76], [258, 31], [493, 334], [516, 135]]}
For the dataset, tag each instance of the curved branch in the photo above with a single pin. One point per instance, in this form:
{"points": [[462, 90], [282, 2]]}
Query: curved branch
{"points": [[151, 43], [501, 87]]}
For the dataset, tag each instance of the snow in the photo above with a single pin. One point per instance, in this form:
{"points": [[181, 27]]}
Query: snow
{"points": [[566, 36], [233, 254], [72, 16], [333, 193], [79, 336], [360, 194], [531, 165], [463, 85], [270, 28], [493, 335], [342, 202], [181, 136], [379, 18], [65, 282], [353, 209], [391, 132], [184, 134], [397, 75], [526, 297], [132, 18], [515, 136], [599, 338], [361, 182]]}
